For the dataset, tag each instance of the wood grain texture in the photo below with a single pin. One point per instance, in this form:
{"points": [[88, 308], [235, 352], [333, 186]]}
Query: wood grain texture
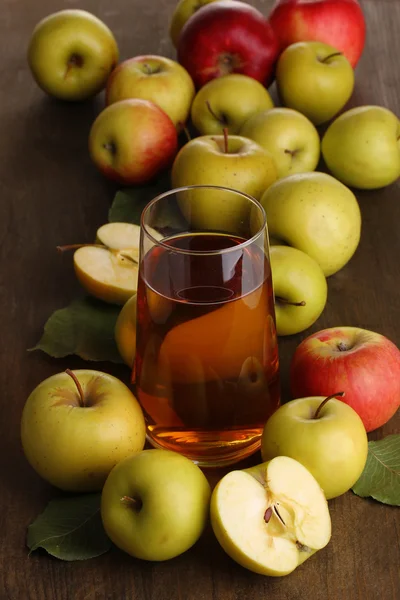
{"points": [[50, 195]]}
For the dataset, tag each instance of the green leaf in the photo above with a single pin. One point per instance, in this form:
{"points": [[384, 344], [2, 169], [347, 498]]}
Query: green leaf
{"points": [[381, 476], [86, 328], [129, 203], [70, 529]]}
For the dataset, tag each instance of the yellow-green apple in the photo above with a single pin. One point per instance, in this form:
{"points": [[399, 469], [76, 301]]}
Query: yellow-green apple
{"points": [[316, 214], [289, 136], [272, 517], [340, 23], [228, 101], [325, 435], [157, 78], [132, 140], [362, 363], [361, 147], [71, 54], [154, 505], [125, 331], [182, 12], [314, 79], [76, 426], [227, 161], [228, 37], [300, 289]]}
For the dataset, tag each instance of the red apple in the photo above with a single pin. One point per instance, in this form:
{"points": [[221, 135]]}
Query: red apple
{"points": [[363, 364], [132, 140], [228, 37], [339, 23]]}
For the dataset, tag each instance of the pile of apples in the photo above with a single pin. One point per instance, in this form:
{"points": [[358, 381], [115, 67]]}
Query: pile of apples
{"points": [[84, 430], [228, 53]]}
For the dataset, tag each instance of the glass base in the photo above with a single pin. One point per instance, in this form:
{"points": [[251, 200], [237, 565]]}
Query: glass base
{"points": [[205, 450]]}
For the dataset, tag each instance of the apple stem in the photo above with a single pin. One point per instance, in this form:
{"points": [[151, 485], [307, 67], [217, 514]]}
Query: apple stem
{"points": [[185, 130], [285, 301], [74, 61], [134, 503], [342, 347], [321, 406], [301, 547], [76, 246], [78, 387], [225, 132], [216, 117], [325, 60]]}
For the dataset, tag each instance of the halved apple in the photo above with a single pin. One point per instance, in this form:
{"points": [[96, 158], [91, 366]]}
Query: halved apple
{"points": [[119, 235], [272, 517], [108, 269]]}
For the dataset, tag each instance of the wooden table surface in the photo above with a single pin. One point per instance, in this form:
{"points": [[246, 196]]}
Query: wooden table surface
{"points": [[51, 194]]}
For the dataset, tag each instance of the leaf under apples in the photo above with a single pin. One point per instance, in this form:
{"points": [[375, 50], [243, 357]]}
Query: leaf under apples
{"points": [[129, 203], [70, 529], [86, 328], [381, 476]]}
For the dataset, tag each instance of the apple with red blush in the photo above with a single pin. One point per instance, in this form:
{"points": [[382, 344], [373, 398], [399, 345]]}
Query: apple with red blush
{"points": [[228, 37], [132, 141], [362, 363], [339, 23]]}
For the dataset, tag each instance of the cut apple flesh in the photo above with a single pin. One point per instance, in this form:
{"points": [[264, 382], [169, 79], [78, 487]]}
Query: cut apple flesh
{"points": [[119, 236], [109, 275], [272, 517]]}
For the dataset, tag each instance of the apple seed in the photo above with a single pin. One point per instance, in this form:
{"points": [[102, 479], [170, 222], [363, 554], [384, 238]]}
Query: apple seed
{"points": [[268, 514]]}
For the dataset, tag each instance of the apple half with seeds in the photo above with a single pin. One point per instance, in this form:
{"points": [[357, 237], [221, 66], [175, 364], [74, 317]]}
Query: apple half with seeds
{"points": [[272, 517], [108, 269]]}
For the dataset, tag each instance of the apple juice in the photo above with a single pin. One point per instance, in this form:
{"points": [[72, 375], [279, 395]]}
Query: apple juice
{"points": [[206, 368]]}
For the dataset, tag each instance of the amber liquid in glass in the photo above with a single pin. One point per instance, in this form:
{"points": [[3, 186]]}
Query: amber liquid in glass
{"points": [[206, 369]]}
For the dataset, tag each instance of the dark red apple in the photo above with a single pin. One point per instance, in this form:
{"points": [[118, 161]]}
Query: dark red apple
{"points": [[339, 23], [228, 37], [363, 364]]}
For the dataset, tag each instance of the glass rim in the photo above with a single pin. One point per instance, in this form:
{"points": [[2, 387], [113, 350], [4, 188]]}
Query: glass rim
{"points": [[243, 244]]}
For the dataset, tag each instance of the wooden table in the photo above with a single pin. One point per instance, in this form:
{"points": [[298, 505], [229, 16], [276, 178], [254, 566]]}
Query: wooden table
{"points": [[51, 194]]}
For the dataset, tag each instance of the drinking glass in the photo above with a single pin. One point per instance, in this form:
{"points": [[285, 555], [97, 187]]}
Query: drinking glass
{"points": [[206, 371]]}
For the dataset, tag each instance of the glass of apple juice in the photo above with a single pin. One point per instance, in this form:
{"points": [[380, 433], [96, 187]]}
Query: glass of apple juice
{"points": [[206, 371]]}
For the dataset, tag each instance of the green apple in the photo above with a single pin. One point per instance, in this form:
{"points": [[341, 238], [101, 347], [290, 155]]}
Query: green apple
{"points": [[228, 101], [125, 331], [71, 54], [362, 149], [272, 517], [76, 426], [300, 289], [315, 79], [156, 78], [183, 11], [316, 214], [154, 505], [289, 136], [234, 162], [326, 435]]}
